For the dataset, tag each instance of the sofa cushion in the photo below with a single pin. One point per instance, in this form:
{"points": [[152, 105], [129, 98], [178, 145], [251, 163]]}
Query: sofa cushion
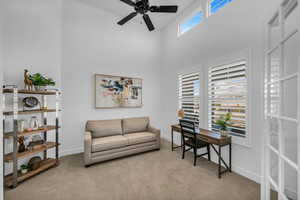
{"points": [[110, 142], [102, 128], [132, 125], [141, 137]]}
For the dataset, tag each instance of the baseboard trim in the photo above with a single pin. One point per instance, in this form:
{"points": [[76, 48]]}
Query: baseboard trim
{"points": [[67, 152], [248, 174], [243, 172], [239, 170]]}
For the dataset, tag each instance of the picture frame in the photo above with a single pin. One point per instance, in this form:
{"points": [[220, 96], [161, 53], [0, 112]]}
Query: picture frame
{"points": [[118, 92]]}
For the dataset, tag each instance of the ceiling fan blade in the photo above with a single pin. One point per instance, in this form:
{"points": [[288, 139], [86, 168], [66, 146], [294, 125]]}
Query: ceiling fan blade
{"points": [[129, 2], [126, 19], [164, 9], [148, 22]]}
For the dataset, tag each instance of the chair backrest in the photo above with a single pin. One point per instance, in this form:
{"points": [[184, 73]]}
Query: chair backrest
{"points": [[187, 129]]}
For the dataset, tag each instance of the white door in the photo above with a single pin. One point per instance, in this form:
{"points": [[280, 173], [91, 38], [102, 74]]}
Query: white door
{"points": [[282, 93]]}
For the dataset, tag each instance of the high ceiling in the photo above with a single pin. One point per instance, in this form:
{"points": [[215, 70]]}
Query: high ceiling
{"points": [[160, 20]]}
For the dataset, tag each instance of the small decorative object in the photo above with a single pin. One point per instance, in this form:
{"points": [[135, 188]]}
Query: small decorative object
{"points": [[117, 92], [27, 81], [36, 138], [34, 123], [36, 142], [21, 125], [180, 114], [22, 147], [40, 82], [28, 129], [34, 163], [30, 102], [223, 124], [24, 169], [35, 145], [26, 141]]}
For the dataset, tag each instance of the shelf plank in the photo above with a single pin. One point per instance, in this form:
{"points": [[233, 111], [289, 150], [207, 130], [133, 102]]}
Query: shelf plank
{"points": [[28, 112], [48, 145], [7, 91], [45, 164], [9, 135]]}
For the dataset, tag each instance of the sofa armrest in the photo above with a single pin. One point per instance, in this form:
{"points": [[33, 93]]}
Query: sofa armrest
{"points": [[87, 147], [153, 130], [156, 132]]}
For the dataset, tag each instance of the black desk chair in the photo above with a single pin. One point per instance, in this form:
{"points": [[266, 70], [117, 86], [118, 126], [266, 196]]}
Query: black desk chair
{"points": [[189, 138]]}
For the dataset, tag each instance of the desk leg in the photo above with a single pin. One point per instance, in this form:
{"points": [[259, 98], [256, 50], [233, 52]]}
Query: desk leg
{"points": [[172, 140], [230, 150], [181, 140], [221, 160], [220, 154]]}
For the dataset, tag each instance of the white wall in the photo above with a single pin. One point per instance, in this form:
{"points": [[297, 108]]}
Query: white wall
{"points": [[1, 117], [32, 35], [239, 26], [93, 43], [31, 40]]}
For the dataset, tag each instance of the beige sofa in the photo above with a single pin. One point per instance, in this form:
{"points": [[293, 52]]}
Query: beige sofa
{"points": [[109, 139]]}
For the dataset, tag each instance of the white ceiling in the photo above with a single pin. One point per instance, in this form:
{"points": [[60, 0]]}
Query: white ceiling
{"points": [[160, 20]]}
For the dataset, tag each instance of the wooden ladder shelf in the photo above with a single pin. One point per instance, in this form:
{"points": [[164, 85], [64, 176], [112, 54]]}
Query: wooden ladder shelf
{"points": [[12, 179]]}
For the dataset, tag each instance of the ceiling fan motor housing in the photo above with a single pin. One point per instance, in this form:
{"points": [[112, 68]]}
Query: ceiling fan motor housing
{"points": [[142, 7]]}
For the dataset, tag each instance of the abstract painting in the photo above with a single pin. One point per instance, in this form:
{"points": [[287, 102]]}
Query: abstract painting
{"points": [[118, 91]]}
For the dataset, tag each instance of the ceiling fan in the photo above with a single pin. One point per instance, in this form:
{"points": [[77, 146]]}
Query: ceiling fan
{"points": [[142, 7]]}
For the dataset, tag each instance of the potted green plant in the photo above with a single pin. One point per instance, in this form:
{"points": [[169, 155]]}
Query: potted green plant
{"points": [[40, 82], [24, 169], [223, 124]]}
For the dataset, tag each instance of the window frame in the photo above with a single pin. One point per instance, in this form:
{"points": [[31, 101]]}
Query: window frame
{"points": [[199, 91], [190, 16], [242, 56], [218, 76]]}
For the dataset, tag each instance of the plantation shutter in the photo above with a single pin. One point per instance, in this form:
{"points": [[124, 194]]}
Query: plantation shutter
{"points": [[228, 93], [189, 98]]}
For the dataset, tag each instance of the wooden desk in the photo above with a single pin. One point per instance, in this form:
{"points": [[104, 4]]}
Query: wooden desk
{"points": [[212, 138]]}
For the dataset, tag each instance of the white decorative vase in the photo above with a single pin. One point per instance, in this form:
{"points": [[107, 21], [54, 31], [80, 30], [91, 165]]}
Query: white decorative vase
{"points": [[24, 171], [34, 123], [40, 88], [223, 133], [21, 125]]}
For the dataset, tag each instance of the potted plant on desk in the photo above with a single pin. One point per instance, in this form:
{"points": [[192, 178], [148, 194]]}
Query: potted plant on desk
{"points": [[223, 124]]}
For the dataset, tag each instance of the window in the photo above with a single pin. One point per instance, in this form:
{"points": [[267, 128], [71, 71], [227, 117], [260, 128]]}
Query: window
{"points": [[191, 23], [189, 96], [215, 5], [228, 93]]}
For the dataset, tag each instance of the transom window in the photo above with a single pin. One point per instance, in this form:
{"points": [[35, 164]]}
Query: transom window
{"points": [[228, 94], [190, 23], [215, 5], [189, 96]]}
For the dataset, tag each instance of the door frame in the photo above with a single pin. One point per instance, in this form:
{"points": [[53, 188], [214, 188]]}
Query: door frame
{"points": [[283, 11]]}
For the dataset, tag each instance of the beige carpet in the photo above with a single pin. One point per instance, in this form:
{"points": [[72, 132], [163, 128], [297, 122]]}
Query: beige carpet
{"points": [[157, 175]]}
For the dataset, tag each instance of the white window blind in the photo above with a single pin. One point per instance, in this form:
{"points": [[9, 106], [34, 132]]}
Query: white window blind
{"points": [[228, 93], [189, 98]]}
